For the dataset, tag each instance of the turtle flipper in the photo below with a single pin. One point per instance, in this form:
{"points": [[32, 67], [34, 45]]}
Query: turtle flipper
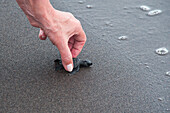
{"points": [[58, 68], [75, 70], [76, 62], [58, 64], [85, 63]]}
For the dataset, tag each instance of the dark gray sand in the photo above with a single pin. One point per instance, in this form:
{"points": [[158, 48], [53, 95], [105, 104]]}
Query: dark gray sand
{"points": [[126, 76]]}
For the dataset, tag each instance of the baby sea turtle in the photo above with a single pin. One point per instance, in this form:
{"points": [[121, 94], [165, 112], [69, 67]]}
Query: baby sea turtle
{"points": [[76, 62]]}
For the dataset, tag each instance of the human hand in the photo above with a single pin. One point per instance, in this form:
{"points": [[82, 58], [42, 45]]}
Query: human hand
{"points": [[66, 32], [62, 28]]}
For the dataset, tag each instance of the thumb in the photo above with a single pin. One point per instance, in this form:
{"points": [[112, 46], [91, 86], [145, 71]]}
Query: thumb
{"points": [[66, 55]]}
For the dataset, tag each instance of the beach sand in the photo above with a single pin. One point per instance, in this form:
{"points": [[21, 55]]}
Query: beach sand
{"points": [[126, 75]]}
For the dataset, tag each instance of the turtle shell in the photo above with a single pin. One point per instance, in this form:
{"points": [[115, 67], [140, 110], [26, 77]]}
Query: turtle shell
{"points": [[76, 62]]}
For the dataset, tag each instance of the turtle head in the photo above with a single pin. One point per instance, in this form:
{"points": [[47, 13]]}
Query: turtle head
{"points": [[86, 63]]}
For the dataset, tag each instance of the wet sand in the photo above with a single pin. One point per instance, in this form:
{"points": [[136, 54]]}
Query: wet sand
{"points": [[126, 76]]}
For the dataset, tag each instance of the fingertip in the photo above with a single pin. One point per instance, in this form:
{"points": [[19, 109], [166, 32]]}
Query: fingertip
{"points": [[42, 35], [70, 67]]}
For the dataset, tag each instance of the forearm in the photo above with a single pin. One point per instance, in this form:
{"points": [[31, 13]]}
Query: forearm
{"points": [[37, 11]]}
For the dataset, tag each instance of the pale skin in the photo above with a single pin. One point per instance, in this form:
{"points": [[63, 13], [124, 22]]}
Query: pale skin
{"points": [[62, 28]]}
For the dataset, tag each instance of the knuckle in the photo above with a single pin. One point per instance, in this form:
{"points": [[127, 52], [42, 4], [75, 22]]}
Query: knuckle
{"points": [[78, 25], [85, 39], [65, 58], [70, 14]]}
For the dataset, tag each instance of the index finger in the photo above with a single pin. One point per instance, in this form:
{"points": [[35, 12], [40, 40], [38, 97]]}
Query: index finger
{"points": [[79, 42]]}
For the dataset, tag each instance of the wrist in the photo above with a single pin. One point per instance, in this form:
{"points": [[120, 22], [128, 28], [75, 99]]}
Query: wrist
{"points": [[47, 16], [46, 19], [42, 10], [37, 11]]}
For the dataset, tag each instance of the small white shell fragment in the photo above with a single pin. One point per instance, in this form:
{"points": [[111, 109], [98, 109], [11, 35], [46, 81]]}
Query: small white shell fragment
{"points": [[107, 22], [89, 6], [161, 51], [154, 12], [145, 64], [167, 73], [147, 67], [160, 99], [145, 8], [80, 2], [122, 38]]}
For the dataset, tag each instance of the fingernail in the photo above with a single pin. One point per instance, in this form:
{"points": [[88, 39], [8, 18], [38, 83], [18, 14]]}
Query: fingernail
{"points": [[43, 37], [69, 67]]}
